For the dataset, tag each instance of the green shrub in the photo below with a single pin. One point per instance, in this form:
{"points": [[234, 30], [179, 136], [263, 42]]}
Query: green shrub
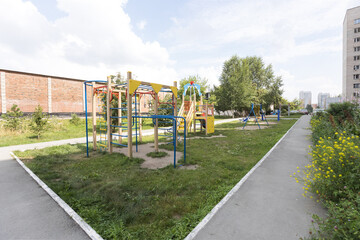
{"points": [[13, 118], [343, 221], [335, 164], [39, 122], [334, 172], [75, 120]]}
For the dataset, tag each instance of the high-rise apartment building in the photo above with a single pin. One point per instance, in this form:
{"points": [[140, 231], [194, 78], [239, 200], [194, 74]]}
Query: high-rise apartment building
{"points": [[305, 98], [322, 99], [351, 54]]}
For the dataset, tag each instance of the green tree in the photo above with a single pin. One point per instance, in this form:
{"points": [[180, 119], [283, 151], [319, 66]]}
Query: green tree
{"points": [[247, 80], [309, 108], [295, 104], [13, 118], [236, 90], [39, 122]]}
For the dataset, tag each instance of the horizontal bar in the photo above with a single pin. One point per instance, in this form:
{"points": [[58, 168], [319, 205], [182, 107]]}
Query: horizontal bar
{"points": [[119, 135], [119, 108], [118, 117], [119, 144]]}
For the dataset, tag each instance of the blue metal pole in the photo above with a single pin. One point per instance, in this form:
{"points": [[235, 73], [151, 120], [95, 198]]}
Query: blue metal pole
{"points": [[174, 141], [278, 115], [261, 112]]}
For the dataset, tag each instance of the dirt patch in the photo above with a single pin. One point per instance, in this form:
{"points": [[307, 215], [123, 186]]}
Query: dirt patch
{"points": [[251, 127], [152, 163], [214, 136], [260, 122]]}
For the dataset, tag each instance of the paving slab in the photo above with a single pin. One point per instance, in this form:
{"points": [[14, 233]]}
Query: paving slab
{"points": [[269, 203]]}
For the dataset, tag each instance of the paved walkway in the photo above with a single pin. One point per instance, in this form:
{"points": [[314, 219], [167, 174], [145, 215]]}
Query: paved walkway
{"points": [[269, 204], [26, 210]]}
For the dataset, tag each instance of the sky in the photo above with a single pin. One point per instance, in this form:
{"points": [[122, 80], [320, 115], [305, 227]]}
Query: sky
{"points": [[164, 41]]}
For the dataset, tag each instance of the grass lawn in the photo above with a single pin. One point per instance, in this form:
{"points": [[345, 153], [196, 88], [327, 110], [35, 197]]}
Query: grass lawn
{"points": [[58, 129], [122, 201]]}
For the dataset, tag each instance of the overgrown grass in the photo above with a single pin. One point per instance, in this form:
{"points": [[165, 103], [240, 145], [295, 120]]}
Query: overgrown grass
{"points": [[58, 129], [122, 201]]}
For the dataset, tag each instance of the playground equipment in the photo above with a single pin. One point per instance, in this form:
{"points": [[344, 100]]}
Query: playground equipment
{"points": [[120, 120], [261, 112], [192, 110]]}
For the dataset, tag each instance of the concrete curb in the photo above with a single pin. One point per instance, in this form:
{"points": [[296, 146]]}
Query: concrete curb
{"points": [[208, 217], [84, 226]]}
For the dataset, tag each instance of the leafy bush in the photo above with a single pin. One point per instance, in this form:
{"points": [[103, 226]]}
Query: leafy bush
{"points": [[335, 165], [39, 122], [343, 221], [338, 118], [13, 118], [334, 172], [75, 120]]}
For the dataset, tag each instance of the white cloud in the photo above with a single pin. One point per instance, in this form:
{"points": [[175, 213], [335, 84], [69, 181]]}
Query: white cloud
{"points": [[280, 31], [141, 25], [89, 42], [316, 84]]}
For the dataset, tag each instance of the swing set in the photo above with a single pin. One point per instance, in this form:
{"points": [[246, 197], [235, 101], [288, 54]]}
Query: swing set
{"points": [[252, 111]]}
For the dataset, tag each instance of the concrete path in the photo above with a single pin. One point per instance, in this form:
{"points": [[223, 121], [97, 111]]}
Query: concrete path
{"points": [[26, 210], [269, 204]]}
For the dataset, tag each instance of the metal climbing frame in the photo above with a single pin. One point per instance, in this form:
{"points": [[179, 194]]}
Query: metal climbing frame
{"points": [[131, 122]]}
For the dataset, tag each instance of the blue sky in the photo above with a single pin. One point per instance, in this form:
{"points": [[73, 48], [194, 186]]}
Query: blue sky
{"points": [[162, 41]]}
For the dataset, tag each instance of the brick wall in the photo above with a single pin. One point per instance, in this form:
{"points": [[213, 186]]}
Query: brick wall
{"points": [[53, 94]]}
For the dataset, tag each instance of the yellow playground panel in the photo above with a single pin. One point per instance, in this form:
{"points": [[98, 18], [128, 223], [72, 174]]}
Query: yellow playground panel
{"points": [[210, 124]]}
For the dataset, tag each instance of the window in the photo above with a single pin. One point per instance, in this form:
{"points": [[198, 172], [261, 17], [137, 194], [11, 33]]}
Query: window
{"points": [[356, 76], [356, 21], [357, 85], [356, 30], [357, 57], [356, 94], [357, 39], [356, 67], [356, 49]]}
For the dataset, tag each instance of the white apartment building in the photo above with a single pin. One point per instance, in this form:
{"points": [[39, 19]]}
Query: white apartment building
{"points": [[322, 100], [305, 98], [351, 55]]}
